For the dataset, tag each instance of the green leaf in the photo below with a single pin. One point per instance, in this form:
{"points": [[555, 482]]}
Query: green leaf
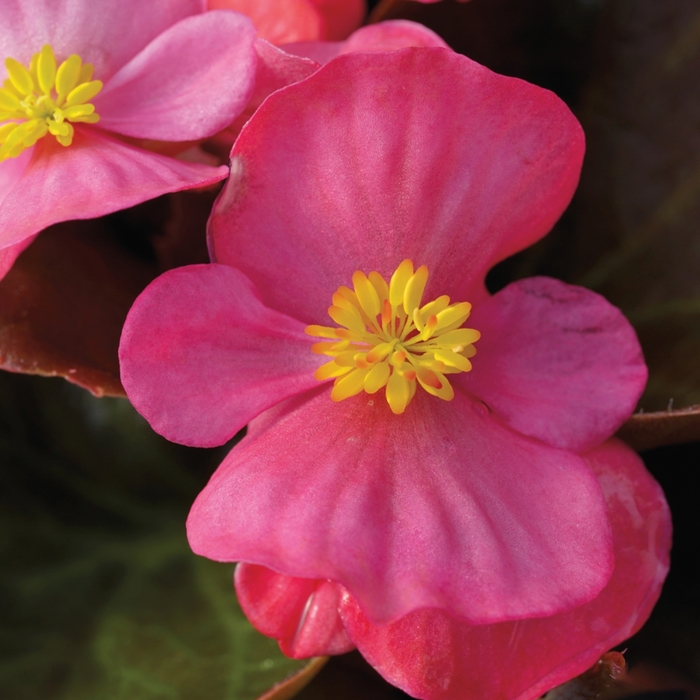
{"points": [[102, 598]]}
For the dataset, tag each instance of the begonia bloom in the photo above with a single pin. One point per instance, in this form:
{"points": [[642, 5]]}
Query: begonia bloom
{"points": [[285, 21], [432, 655], [84, 88], [419, 154]]}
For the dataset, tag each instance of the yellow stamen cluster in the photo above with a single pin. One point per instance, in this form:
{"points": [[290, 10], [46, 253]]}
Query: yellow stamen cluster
{"points": [[44, 99], [388, 339]]}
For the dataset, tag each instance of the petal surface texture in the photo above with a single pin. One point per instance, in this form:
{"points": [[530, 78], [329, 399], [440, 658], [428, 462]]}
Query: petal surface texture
{"points": [[96, 175], [188, 83], [557, 362], [107, 36], [433, 657], [439, 507], [200, 356], [302, 614], [378, 166]]}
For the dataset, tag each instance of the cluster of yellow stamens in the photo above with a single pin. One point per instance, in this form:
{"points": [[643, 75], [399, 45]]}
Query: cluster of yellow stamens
{"points": [[43, 99], [388, 339]]}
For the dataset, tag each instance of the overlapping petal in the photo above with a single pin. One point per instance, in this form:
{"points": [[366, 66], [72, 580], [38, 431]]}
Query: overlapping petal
{"points": [[340, 17], [200, 355], [285, 21], [438, 507], [107, 35], [278, 21], [302, 614], [188, 83], [434, 657], [557, 362], [94, 176], [380, 167], [390, 35]]}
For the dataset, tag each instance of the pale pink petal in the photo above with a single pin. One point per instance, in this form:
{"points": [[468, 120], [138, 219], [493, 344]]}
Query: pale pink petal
{"points": [[106, 34], [433, 657], [188, 83], [391, 35], [377, 165], [302, 614], [557, 362], [200, 355], [438, 507], [340, 17], [96, 175], [11, 253], [275, 69], [279, 21]]}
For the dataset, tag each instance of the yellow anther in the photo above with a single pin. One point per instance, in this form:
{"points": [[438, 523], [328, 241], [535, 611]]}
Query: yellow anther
{"points": [[413, 345], [44, 99], [46, 69], [349, 385], [377, 377], [67, 75], [21, 78], [398, 283], [366, 294], [380, 285], [413, 293]]}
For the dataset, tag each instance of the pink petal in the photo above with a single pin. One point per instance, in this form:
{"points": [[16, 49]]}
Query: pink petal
{"points": [[419, 153], [279, 21], [11, 253], [341, 17], [300, 613], [275, 69], [201, 356], [557, 362], [95, 175], [391, 35], [434, 657], [107, 36], [438, 507], [188, 83]]}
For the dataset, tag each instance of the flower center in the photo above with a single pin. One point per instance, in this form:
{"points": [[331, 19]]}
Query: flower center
{"points": [[388, 339], [43, 99]]}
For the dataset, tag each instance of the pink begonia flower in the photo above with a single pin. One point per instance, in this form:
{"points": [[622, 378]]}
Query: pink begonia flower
{"points": [[432, 655], [438, 487], [285, 21], [84, 87]]}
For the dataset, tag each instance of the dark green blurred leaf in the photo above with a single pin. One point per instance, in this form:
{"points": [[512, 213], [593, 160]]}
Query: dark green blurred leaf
{"points": [[100, 596]]}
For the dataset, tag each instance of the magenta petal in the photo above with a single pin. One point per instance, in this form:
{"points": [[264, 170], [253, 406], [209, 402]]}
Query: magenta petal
{"points": [[556, 362], [200, 355], [377, 166], [275, 69], [300, 613], [340, 16], [391, 35], [434, 657], [438, 507], [95, 175], [189, 83], [107, 35]]}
